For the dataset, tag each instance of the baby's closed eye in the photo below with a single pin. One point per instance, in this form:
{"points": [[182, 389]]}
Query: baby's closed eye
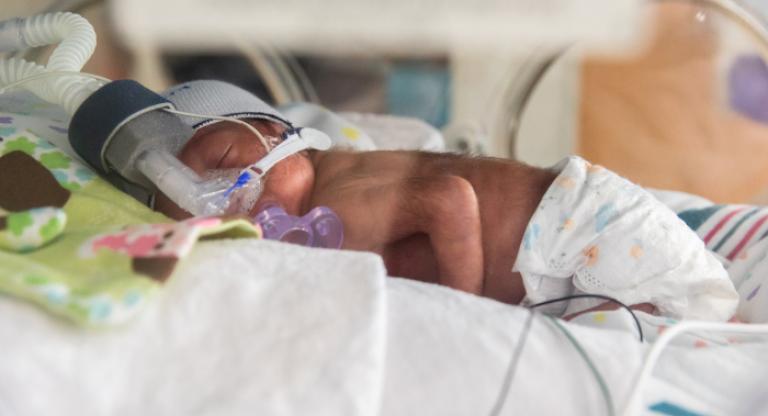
{"points": [[221, 148]]}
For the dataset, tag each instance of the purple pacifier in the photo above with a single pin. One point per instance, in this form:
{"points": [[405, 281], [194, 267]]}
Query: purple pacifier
{"points": [[321, 227]]}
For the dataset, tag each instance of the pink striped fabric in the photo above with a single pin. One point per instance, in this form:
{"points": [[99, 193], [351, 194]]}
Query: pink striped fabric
{"points": [[752, 231], [721, 224]]}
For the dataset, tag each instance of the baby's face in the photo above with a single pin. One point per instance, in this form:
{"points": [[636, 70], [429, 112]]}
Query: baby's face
{"points": [[227, 145]]}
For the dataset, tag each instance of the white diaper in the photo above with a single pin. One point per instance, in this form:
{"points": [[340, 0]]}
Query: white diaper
{"points": [[595, 232]]}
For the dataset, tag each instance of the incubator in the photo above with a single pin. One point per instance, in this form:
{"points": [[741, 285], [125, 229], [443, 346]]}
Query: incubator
{"points": [[277, 322]]}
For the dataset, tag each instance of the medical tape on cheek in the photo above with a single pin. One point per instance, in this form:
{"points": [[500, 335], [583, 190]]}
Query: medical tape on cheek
{"points": [[256, 171]]}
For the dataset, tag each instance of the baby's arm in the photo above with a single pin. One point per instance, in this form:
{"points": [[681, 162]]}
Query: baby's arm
{"points": [[443, 207], [450, 216]]}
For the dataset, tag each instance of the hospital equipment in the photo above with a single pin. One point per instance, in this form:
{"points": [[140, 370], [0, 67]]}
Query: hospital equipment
{"points": [[523, 339], [632, 405], [77, 42], [125, 128]]}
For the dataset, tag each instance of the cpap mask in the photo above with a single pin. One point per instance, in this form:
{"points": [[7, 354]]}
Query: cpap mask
{"points": [[221, 192], [138, 135], [131, 135], [126, 130], [318, 228]]}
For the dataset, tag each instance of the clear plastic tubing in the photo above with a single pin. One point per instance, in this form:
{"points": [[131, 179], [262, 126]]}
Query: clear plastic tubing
{"points": [[77, 41], [191, 193]]}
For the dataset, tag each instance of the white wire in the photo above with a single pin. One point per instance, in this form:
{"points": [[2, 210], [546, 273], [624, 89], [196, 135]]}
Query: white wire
{"points": [[666, 337], [309, 93], [4, 89], [268, 73], [604, 390], [253, 130], [517, 354], [285, 74], [512, 367]]}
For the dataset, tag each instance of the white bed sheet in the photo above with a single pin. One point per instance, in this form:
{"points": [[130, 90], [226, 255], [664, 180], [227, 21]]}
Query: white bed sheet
{"points": [[253, 327]]}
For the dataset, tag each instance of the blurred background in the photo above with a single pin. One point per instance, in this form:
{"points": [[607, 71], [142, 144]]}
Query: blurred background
{"points": [[672, 94]]}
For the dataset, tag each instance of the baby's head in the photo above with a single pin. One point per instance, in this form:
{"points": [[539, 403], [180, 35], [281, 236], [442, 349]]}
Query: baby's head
{"points": [[226, 145]]}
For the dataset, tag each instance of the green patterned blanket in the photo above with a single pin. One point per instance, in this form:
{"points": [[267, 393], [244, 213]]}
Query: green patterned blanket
{"points": [[76, 246]]}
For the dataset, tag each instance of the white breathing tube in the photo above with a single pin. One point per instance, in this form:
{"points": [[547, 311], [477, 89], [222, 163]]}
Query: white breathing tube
{"points": [[77, 41]]}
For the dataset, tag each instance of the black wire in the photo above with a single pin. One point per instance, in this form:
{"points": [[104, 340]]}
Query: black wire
{"points": [[595, 296], [511, 369]]}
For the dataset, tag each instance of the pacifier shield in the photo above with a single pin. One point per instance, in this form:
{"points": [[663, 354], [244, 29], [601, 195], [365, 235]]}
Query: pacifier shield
{"points": [[320, 227]]}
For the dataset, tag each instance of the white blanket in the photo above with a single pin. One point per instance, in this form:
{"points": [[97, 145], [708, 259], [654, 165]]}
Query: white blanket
{"points": [[244, 327], [253, 327]]}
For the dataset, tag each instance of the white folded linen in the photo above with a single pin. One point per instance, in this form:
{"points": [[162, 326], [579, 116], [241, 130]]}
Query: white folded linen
{"points": [[244, 327]]}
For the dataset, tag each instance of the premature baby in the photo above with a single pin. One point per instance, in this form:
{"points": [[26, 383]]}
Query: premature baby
{"points": [[491, 227]]}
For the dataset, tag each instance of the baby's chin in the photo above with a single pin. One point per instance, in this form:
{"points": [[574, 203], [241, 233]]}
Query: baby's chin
{"points": [[289, 185], [260, 205], [291, 203], [290, 189]]}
